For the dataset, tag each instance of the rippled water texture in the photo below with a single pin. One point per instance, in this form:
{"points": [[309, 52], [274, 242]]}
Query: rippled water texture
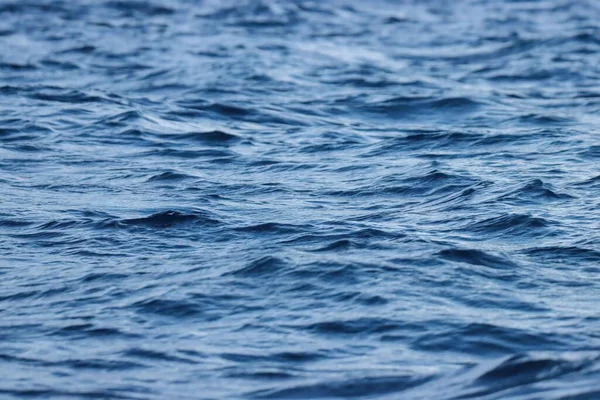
{"points": [[286, 199]]}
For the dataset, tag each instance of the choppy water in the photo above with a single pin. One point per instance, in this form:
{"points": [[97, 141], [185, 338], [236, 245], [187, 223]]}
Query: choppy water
{"points": [[300, 199]]}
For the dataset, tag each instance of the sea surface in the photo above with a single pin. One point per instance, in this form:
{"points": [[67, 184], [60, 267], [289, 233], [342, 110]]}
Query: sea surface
{"points": [[290, 199]]}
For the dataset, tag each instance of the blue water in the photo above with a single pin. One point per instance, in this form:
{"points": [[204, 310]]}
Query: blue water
{"points": [[278, 199]]}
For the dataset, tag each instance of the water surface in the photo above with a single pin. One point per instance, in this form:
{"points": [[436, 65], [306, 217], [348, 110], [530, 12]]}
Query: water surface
{"points": [[286, 199]]}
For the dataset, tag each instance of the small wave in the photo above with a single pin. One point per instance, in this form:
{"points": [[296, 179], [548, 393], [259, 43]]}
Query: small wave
{"points": [[398, 107], [356, 326], [523, 370], [85, 49], [357, 234], [14, 223], [168, 176], [263, 266], [122, 119], [433, 181], [102, 277], [510, 224], [170, 218], [155, 355], [67, 96], [534, 191], [296, 357], [169, 308], [32, 294], [132, 8], [342, 244], [367, 386], [88, 330], [271, 227], [592, 152], [215, 155], [258, 14], [215, 137], [17, 66], [485, 338], [477, 257], [540, 120], [566, 254], [226, 110]]}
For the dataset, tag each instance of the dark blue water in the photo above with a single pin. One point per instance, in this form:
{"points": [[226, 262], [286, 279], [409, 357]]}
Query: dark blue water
{"points": [[277, 199]]}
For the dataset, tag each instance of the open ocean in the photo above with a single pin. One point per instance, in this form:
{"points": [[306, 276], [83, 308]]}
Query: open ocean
{"points": [[290, 199]]}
